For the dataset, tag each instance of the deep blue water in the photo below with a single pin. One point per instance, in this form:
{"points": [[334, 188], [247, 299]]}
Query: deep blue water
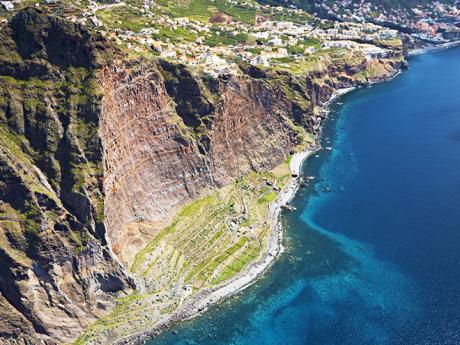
{"points": [[377, 259]]}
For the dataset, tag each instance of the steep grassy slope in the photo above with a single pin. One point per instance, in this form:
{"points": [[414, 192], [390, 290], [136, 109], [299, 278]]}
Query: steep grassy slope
{"points": [[208, 242]]}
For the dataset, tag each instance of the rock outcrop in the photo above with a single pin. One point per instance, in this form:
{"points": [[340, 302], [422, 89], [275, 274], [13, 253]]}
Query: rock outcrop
{"points": [[96, 158]]}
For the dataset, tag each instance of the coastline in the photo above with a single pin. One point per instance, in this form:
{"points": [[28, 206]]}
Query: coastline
{"points": [[433, 48], [263, 310], [274, 248], [209, 297]]}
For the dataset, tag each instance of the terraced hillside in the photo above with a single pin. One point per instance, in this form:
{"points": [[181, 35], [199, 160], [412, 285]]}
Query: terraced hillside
{"points": [[208, 242]]}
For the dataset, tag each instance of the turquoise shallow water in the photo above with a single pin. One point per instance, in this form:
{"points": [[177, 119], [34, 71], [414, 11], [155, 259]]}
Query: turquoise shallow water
{"points": [[376, 259]]}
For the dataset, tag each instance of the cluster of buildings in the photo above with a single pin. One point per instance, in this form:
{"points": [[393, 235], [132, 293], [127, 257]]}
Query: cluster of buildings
{"points": [[276, 35], [11, 4], [216, 46], [437, 22], [433, 21], [368, 32], [266, 43]]}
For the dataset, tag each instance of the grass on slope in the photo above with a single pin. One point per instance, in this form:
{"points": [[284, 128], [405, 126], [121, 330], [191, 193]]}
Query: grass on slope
{"points": [[202, 10], [208, 242], [207, 235]]}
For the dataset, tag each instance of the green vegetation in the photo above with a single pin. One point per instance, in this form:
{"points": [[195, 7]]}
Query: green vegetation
{"points": [[203, 10], [130, 17], [301, 45], [199, 232], [210, 226], [267, 197], [174, 35], [123, 17], [374, 70], [395, 43], [315, 62], [239, 12], [34, 112], [219, 37], [246, 254], [285, 15], [209, 241]]}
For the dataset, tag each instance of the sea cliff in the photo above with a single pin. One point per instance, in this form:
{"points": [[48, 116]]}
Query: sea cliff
{"points": [[106, 162]]}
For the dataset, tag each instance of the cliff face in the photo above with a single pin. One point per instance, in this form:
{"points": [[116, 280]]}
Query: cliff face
{"points": [[91, 152], [169, 134], [56, 273]]}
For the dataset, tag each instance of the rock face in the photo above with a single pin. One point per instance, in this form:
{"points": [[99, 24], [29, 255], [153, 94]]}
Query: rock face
{"points": [[56, 273], [168, 136], [95, 159]]}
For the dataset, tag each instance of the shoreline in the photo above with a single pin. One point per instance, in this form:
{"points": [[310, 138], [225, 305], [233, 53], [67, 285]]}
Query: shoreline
{"points": [[274, 248], [442, 46], [295, 167]]}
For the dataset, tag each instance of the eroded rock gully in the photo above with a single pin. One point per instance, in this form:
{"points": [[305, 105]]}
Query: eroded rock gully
{"points": [[57, 275]]}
